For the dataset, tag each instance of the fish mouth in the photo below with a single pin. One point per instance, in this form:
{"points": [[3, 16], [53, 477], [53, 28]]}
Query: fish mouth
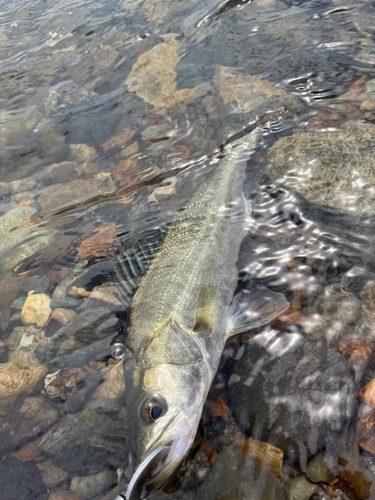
{"points": [[157, 467]]}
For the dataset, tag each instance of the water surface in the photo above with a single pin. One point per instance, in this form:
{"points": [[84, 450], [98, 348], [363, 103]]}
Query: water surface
{"points": [[111, 115]]}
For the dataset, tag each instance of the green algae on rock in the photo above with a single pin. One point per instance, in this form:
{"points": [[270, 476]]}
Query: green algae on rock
{"points": [[334, 170]]}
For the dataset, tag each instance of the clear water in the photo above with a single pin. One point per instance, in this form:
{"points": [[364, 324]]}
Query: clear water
{"points": [[110, 112]]}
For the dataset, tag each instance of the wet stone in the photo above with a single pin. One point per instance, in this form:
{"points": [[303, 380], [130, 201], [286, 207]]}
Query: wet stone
{"points": [[63, 315], [236, 475], [19, 303], [37, 284], [65, 302], [320, 167], [87, 441], [104, 296], [36, 309], [299, 488], [28, 452], [19, 379], [88, 486], [83, 330], [52, 476], [299, 399], [35, 416], [61, 383]]}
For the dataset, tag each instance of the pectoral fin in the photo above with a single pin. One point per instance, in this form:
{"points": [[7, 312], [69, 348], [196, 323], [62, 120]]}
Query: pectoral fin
{"points": [[254, 308]]}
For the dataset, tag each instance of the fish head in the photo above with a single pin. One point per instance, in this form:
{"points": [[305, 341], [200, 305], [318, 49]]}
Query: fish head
{"points": [[165, 403]]}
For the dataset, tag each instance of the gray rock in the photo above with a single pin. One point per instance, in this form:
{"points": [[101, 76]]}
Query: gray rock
{"points": [[52, 476], [325, 167], [39, 284], [65, 302], [35, 416], [88, 486], [82, 330], [235, 475], [87, 441], [19, 303], [297, 401], [299, 488]]}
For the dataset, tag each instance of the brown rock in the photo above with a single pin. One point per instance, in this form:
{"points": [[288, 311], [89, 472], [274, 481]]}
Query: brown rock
{"points": [[270, 457], [359, 87], [78, 292], [107, 295], [125, 173], [366, 432], [104, 237], [358, 350], [64, 495], [18, 379], [368, 105], [367, 394], [36, 309], [130, 150], [219, 408], [63, 315], [247, 91], [119, 140], [57, 274], [28, 452], [153, 75]]}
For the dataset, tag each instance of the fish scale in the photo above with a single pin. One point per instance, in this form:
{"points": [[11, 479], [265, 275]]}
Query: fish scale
{"points": [[201, 248]]}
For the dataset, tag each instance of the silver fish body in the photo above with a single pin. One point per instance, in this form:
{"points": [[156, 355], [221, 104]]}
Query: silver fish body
{"points": [[180, 318]]}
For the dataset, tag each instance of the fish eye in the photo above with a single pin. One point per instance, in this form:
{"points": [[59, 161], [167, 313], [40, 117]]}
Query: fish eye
{"points": [[155, 412], [153, 408]]}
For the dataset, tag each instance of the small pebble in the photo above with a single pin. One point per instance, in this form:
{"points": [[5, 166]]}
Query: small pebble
{"points": [[78, 292], [88, 486], [63, 315], [28, 452], [36, 309]]}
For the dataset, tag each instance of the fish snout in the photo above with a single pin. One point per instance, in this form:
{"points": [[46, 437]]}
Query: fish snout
{"points": [[161, 462]]}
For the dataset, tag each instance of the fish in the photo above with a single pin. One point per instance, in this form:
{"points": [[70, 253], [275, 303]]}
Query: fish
{"points": [[183, 311]]}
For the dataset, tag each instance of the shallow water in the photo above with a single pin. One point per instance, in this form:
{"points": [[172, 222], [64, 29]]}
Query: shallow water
{"points": [[111, 114]]}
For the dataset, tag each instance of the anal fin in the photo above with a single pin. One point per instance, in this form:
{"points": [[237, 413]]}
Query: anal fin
{"points": [[254, 308]]}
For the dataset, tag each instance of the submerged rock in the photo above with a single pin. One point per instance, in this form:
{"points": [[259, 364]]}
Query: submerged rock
{"points": [[63, 315], [35, 416], [235, 475], [52, 476], [296, 399], [28, 452], [18, 379], [334, 170], [88, 486], [61, 383], [36, 309], [299, 488], [27, 344], [88, 441]]}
